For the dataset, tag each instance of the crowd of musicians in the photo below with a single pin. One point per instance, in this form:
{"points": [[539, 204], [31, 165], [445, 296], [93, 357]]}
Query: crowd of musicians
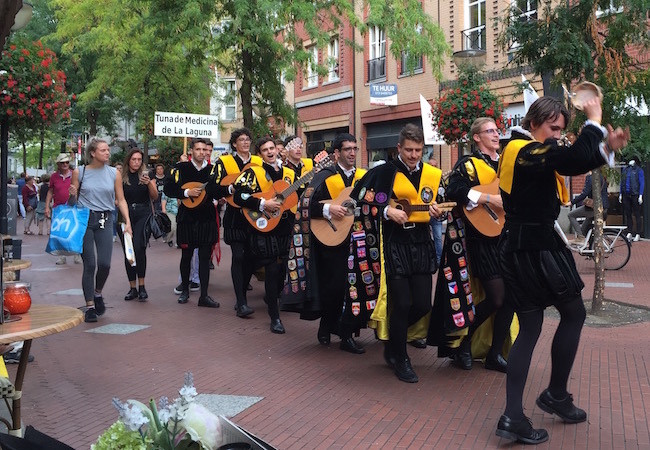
{"points": [[353, 248]]}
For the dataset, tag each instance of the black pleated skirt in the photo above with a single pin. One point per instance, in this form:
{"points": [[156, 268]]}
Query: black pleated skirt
{"points": [[483, 256], [536, 279], [197, 234]]}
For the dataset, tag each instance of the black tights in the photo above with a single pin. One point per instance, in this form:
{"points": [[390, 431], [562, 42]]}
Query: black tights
{"points": [[205, 252], [493, 302], [238, 272], [563, 353], [409, 300]]}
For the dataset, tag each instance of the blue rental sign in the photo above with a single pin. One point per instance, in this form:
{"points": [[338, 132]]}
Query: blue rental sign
{"points": [[383, 94]]}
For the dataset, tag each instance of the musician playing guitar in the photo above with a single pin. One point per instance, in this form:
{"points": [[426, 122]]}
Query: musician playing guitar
{"points": [[469, 173], [227, 169], [270, 249], [331, 262], [196, 224]]}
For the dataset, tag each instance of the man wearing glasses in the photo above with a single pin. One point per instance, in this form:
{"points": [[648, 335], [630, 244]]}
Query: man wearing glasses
{"points": [[59, 192], [469, 172], [234, 224]]}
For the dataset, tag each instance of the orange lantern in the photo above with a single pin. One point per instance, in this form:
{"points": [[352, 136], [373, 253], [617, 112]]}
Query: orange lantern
{"points": [[17, 299]]}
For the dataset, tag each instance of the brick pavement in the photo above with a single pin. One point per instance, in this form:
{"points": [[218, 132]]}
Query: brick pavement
{"points": [[314, 397]]}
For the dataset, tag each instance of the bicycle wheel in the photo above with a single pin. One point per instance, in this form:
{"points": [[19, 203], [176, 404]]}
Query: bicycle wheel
{"points": [[617, 250]]}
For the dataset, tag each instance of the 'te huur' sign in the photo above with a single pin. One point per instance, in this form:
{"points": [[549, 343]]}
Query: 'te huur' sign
{"points": [[173, 124]]}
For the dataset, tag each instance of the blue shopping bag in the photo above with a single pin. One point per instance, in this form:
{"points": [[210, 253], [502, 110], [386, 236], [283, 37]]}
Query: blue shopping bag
{"points": [[69, 225]]}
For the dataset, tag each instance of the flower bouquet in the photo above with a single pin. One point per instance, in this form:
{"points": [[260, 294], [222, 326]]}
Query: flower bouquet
{"points": [[180, 425]]}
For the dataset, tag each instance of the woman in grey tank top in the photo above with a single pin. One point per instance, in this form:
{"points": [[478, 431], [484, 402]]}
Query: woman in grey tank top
{"points": [[96, 187]]}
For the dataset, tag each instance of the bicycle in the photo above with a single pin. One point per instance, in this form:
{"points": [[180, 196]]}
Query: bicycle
{"points": [[617, 249]]}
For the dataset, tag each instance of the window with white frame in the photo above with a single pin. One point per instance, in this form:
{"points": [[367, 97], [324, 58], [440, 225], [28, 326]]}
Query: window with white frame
{"points": [[416, 65], [377, 53], [229, 104], [312, 75], [614, 8], [523, 11], [475, 36], [333, 59]]}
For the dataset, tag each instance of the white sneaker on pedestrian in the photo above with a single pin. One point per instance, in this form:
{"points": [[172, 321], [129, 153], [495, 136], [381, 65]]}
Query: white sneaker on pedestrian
{"points": [[60, 261], [636, 238], [77, 259], [629, 236]]}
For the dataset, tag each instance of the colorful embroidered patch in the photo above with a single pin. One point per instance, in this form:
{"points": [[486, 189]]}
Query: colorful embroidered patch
{"points": [[356, 308], [294, 287], [455, 304], [462, 262], [464, 275], [297, 240], [293, 275], [356, 226], [361, 252], [374, 253], [301, 273], [301, 262], [453, 287], [381, 197], [370, 196], [448, 274], [470, 299], [352, 278], [370, 238], [367, 277], [361, 243], [376, 267], [362, 192], [363, 265], [298, 251], [291, 264], [427, 194], [353, 293], [371, 290], [470, 315], [370, 304], [457, 248], [365, 209], [374, 211], [452, 233], [467, 288], [356, 235], [459, 319]]}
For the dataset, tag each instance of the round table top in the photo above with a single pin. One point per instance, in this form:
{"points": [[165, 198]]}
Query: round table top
{"points": [[16, 264], [39, 321]]}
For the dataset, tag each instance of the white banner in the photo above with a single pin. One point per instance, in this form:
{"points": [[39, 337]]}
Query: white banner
{"points": [[173, 124], [431, 136]]}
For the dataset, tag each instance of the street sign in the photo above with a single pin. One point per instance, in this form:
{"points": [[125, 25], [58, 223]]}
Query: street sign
{"points": [[173, 124]]}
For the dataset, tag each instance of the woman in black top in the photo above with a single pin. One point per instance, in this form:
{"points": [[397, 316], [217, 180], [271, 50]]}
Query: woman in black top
{"points": [[139, 191]]}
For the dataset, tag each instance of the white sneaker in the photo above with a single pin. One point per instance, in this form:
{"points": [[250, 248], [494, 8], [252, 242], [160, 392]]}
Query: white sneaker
{"points": [[636, 238], [60, 261], [77, 259], [629, 236]]}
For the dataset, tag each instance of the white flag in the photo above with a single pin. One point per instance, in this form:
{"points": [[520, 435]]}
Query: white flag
{"points": [[529, 94], [431, 136]]}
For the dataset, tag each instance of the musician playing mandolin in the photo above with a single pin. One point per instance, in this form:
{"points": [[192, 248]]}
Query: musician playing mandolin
{"points": [[469, 172], [197, 223], [234, 225], [266, 249]]}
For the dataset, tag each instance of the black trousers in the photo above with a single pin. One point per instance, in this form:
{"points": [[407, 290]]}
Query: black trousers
{"points": [[409, 299], [205, 252], [631, 206], [332, 282]]}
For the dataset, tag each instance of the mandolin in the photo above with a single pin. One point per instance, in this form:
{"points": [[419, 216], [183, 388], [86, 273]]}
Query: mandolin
{"points": [[285, 193], [487, 219], [193, 202], [333, 232], [409, 208]]}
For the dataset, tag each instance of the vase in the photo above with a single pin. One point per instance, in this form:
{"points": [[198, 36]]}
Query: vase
{"points": [[17, 299]]}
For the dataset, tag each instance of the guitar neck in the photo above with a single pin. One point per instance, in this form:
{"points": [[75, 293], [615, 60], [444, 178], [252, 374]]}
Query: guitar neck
{"points": [[306, 178]]}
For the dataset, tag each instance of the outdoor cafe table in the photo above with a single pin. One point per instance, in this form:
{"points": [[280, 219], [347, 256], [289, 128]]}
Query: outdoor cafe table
{"points": [[39, 321]]}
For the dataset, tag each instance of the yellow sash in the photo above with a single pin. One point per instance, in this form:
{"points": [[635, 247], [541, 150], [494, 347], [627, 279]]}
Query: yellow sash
{"points": [[506, 169], [425, 194], [265, 182], [482, 170], [335, 182]]}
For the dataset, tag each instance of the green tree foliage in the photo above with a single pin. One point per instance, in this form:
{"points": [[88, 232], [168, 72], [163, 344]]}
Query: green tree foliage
{"points": [[587, 40], [470, 98], [148, 55], [258, 41]]}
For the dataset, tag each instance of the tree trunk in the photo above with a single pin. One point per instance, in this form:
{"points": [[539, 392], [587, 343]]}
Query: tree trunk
{"points": [[40, 153], [246, 90], [599, 281]]}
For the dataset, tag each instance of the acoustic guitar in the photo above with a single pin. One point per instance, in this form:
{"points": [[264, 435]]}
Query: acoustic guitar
{"points": [[265, 221], [333, 232], [230, 179], [193, 202], [487, 219]]}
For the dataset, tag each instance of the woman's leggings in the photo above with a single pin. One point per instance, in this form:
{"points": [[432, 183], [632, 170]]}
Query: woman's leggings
{"points": [[97, 252]]}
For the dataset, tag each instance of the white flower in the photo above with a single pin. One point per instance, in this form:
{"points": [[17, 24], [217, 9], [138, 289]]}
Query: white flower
{"points": [[131, 414], [202, 426]]}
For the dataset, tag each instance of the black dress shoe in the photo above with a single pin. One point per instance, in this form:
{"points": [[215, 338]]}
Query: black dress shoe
{"points": [[499, 363], [388, 356], [244, 311], [142, 294], [463, 360], [211, 265], [208, 302], [184, 298], [100, 307], [276, 326], [132, 294], [323, 336], [419, 343], [405, 372], [350, 345], [521, 431], [565, 409]]}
